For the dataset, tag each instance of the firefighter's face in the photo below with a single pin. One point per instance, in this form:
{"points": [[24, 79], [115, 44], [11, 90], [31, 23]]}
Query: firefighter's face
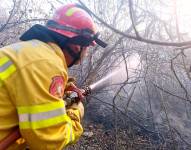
{"points": [[83, 55], [76, 49]]}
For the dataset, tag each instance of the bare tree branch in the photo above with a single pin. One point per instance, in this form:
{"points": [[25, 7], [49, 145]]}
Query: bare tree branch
{"points": [[170, 93], [141, 39]]}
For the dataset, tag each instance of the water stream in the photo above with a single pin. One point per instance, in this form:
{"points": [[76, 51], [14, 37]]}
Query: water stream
{"points": [[118, 75]]}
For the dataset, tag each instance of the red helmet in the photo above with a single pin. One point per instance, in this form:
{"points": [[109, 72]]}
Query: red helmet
{"points": [[73, 21], [72, 16]]}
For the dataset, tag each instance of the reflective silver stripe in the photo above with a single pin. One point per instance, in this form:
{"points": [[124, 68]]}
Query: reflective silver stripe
{"points": [[41, 116], [5, 66]]}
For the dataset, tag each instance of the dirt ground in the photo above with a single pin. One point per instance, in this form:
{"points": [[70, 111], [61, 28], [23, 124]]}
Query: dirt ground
{"points": [[95, 137]]}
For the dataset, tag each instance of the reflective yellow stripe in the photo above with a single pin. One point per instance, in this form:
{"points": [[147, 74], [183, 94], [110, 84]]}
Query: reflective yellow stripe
{"points": [[73, 136], [70, 133], [40, 108], [71, 11], [3, 60], [45, 123], [5, 74], [6, 69], [70, 136]]}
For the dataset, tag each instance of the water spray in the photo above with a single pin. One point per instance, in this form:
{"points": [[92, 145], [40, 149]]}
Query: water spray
{"points": [[104, 82], [73, 96]]}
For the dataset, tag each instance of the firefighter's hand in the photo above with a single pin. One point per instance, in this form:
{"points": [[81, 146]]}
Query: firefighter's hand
{"points": [[71, 87], [78, 106], [70, 81]]}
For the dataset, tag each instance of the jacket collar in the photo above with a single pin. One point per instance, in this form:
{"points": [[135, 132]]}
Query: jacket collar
{"points": [[43, 34], [59, 52]]}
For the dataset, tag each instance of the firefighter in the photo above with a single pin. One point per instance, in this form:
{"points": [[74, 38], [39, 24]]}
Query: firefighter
{"points": [[33, 80]]}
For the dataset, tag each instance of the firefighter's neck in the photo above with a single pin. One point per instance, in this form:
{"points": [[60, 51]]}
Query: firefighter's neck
{"points": [[68, 58]]}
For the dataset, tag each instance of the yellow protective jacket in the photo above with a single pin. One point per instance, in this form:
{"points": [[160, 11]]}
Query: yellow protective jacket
{"points": [[33, 76]]}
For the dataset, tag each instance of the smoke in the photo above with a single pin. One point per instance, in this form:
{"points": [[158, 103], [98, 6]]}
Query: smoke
{"points": [[127, 70]]}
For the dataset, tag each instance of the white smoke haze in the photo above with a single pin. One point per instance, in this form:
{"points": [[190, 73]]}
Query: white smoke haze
{"points": [[154, 94]]}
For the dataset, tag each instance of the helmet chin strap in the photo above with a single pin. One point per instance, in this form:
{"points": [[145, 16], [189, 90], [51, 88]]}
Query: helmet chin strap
{"points": [[75, 56]]}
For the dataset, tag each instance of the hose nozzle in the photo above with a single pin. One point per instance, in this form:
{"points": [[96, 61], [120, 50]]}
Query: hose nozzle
{"points": [[87, 90]]}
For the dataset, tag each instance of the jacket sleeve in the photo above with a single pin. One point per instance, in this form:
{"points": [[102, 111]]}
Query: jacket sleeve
{"points": [[44, 121]]}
